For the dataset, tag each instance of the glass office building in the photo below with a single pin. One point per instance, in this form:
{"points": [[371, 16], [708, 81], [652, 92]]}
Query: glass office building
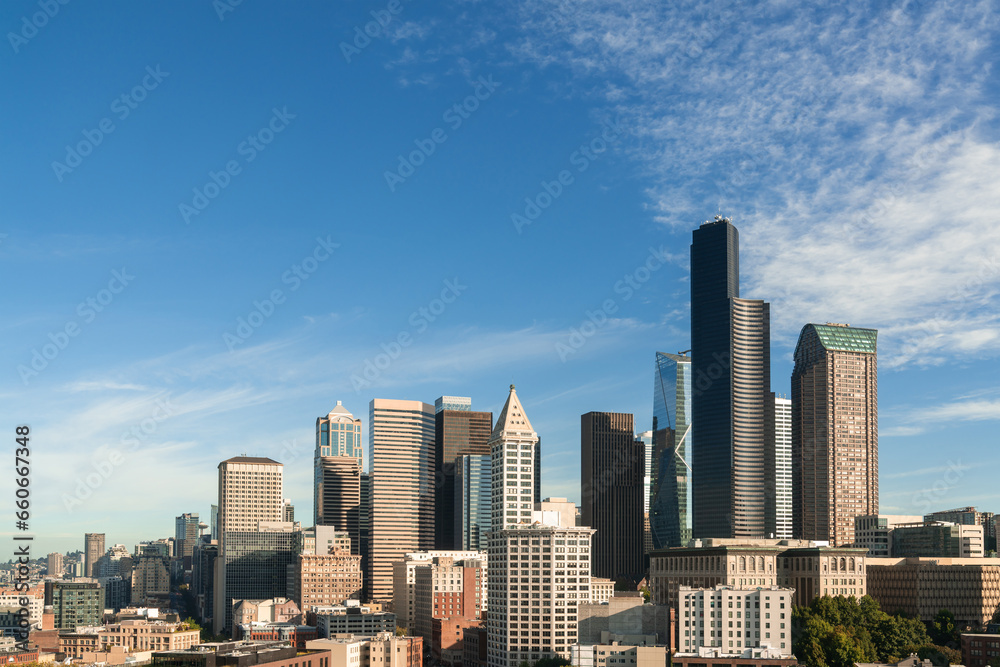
{"points": [[670, 472]]}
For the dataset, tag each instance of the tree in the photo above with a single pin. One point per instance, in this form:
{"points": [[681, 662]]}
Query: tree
{"points": [[942, 629], [400, 631], [941, 656], [647, 594]]}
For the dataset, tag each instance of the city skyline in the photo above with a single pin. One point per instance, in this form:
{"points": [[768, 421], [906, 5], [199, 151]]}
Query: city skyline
{"points": [[172, 340]]}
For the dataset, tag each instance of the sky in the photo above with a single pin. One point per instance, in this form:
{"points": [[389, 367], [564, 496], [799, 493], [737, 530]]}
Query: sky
{"points": [[220, 218]]}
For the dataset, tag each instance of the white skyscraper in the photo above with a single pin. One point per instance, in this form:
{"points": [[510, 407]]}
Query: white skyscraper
{"points": [[783, 467], [539, 561]]}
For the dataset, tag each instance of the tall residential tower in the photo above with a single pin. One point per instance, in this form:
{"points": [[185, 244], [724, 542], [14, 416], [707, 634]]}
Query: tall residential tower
{"points": [[834, 431]]}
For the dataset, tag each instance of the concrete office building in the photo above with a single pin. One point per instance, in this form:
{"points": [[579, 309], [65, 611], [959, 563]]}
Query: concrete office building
{"points": [[611, 478], [873, 532], [732, 411], [458, 431], [185, 535], [834, 431], [250, 492], [921, 587], [627, 619], [937, 538], [670, 473], [401, 444]]}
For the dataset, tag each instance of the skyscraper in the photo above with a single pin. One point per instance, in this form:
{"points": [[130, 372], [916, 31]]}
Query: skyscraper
{"points": [[338, 495], [92, 550], [731, 397], [473, 485], [670, 474], [779, 467], [457, 431], [611, 479], [185, 535], [834, 431], [530, 548], [401, 445], [647, 489], [250, 491], [54, 565], [339, 434]]}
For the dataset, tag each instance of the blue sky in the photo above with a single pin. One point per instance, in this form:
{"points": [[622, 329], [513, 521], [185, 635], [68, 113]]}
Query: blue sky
{"points": [[217, 156]]}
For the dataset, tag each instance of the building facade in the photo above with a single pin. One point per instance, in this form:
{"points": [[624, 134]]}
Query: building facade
{"points": [[670, 472], [921, 587], [404, 579], [54, 565], [809, 569], [338, 463], [612, 468], [458, 431], [539, 562], [473, 482], [93, 548], [74, 603], [734, 619], [401, 442], [937, 538], [873, 532], [834, 431], [779, 464], [732, 408], [327, 579]]}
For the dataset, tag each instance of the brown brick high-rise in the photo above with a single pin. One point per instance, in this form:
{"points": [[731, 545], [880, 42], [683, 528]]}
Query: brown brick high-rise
{"points": [[834, 431]]}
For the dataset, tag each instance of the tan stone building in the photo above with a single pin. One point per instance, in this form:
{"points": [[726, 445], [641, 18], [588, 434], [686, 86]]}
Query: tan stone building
{"points": [[601, 590], [748, 563], [327, 579], [382, 650], [133, 636], [967, 587], [603, 655]]}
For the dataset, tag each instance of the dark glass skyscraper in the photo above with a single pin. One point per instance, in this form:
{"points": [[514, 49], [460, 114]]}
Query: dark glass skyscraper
{"points": [[612, 468], [670, 474], [458, 431], [731, 394]]}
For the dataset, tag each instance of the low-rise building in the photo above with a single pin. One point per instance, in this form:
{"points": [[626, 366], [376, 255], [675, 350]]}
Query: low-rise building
{"points": [[874, 531], [751, 657], [967, 587], [360, 621], [296, 635], [616, 655], [242, 654], [11, 653], [327, 578], [134, 636], [275, 610], [979, 649], [937, 539], [810, 568], [733, 620], [627, 616], [474, 647], [447, 638], [601, 590], [382, 650]]}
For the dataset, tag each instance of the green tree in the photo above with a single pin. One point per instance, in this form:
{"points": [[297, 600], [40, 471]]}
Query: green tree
{"points": [[941, 656], [400, 631], [942, 629]]}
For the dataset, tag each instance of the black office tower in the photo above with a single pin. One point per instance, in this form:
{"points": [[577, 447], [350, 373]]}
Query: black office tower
{"points": [[458, 431], [731, 392], [612, 467]]}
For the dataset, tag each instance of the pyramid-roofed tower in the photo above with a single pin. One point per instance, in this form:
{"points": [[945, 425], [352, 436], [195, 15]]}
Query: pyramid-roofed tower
{"points": [[512, 419]]}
